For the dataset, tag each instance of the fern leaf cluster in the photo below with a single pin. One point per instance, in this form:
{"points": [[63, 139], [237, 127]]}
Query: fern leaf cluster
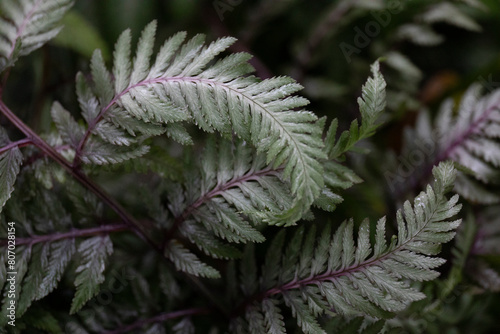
{"points": [[138, 99], [206, 227], [27, 25], [470, 138], [41, 262], [237, 188], [335, 273], [474, 144], [272, 173], [225, 201]]}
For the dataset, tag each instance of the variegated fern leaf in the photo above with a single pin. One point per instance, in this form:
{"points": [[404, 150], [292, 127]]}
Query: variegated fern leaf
{"points": [[267, 161], [469, 136], [333, 274], [371, 106], [10, 162], [471, 139], [46, 247], [27, 25], [238, 185], [337, 176], [224, 201], [138, 99]]}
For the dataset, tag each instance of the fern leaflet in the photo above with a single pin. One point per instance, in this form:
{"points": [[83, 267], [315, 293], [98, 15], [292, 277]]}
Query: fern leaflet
{"points": [[94, 252], [27, 25], [336, 176], [10, 163]]}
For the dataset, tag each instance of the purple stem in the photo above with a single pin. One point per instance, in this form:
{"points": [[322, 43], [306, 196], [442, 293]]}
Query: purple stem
{"points": [[19, 143], [35, 239], [138, 228], [448, 151], [445, 154], [147, 82], [218, 190], [327, 276]]}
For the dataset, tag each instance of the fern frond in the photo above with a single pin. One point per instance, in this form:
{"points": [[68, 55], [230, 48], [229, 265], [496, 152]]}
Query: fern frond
{"points": [[70, 131], [482, 264], [226, 223], [27, 25], [34, 277], [422, 33], [61, 253], [226, 200], [94, 252], [113, 145], [273, 317], [360, 278], [336, 176], [184, 84], [100, 153], [419, 34], [23, 256], [10, 163], [371, 105], [236, 185], [255, 320], [470, 139], [207, 241]]}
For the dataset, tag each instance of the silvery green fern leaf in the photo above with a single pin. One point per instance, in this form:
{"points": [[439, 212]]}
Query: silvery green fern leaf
{"points": [[10, 163], [226, 200], [421, 31], [38, 264], [371, 106], [98, 150], [336, 176], [484, 245], [90, 273], [27, 25], [184, 84], [419, 34], [469, 138], [23, 256], [336, 273]]}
